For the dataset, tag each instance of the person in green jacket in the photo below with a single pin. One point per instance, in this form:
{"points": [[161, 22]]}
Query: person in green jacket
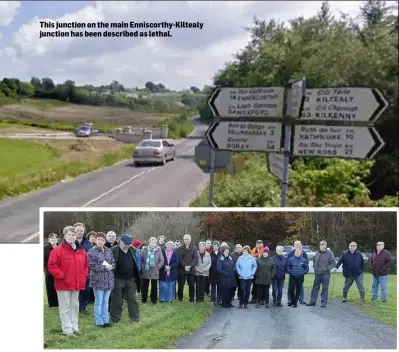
{"points": [[264, 276], [323, 263]]}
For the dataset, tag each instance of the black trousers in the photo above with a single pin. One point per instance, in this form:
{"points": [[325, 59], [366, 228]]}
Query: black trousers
{"points": [[207, 285], [227, 295], [254, 292], [238, 288], [294, 288], [263, 293], [181, 282], [200, 287], [154, 290], [52, 297], [91, 295]]}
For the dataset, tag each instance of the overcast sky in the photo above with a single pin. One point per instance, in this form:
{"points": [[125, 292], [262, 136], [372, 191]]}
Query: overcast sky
{"points": [[190, 57]]}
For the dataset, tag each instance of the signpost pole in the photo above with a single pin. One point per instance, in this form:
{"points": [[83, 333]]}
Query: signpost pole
{"points": [[211, 177]]}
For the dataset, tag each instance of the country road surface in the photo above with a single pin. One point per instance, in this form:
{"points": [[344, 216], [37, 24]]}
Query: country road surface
{"points": [[122, 185], [338, 326]]}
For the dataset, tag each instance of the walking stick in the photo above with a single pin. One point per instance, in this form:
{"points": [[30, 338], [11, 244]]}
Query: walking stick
{"points": [[333, 282]]}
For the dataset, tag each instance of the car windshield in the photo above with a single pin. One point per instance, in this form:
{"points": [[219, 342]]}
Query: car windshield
{"points": [[154, 144], [85, 128]]}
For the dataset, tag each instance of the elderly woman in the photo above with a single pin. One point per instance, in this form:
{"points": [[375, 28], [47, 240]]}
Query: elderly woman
{"points": [[69, 265], [50, 289], [202, 271], [227, 280], [279, 277], [151, 261], [168, 273], [101, 264], [297, 267], [264, 276], [245, 269]]}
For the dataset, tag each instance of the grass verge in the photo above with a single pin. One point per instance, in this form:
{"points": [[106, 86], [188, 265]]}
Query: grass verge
{"points": [[384, 312], [161, 327], [30, 165]]}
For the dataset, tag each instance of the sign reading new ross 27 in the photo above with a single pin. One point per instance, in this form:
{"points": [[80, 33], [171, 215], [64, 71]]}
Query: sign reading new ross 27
{"points": [[344, 104], [247, 102]]}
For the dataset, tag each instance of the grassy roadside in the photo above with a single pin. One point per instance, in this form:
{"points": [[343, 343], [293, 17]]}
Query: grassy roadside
{"points": [[30, 165], [384, 312], [161, 327]]}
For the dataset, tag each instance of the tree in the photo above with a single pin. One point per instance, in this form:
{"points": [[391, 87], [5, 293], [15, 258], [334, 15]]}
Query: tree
{"points": [[173, 225], [47, 84], [151, 86], [160, 86], [194, 89], [374, 12]]}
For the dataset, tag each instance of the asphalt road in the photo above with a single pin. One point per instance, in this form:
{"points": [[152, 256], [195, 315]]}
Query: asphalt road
{"points": [[338, 326], [122, 185]]}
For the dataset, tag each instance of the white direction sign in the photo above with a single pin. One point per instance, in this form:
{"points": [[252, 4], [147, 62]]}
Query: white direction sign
{"points": [[245, 136], [354, 142], [247, 102], [344, 104], [294, 99]]}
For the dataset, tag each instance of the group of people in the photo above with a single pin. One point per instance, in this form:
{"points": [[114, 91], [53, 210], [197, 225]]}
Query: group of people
{"points": [[111, 269]]}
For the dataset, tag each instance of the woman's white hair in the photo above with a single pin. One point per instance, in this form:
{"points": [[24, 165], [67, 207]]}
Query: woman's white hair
{"points": [[279, 248], [202, 243], [152, 239]]}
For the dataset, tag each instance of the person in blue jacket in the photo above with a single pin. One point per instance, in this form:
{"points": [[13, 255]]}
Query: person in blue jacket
{"points": [[297, 267], [226, 275], [298, 245], [279, 277], [245, 267]]}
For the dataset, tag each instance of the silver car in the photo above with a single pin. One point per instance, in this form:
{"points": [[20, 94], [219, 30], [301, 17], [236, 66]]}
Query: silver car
{"points": [[153, 151]]}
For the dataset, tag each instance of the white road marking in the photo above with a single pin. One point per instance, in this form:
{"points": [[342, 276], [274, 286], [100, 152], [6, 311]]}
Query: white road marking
{"points": [[117, 187], [31, 237]]}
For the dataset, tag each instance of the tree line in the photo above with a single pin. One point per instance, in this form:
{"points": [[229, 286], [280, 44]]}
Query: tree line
{"points": [[116, 95], [329, 51], [274, 228]]}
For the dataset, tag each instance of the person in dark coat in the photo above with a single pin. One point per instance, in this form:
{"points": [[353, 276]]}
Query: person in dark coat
{"points": [[279, 277], [237, 253], [208, 248], [216, 298], [127, 278], [298, 245], [52, 298], [92, 235], [297, 267], [161, 242], [84, 295], [188, 259], [381, 261], [227, 280], [266, 269], [168, 274], [352, 270], [111, 239]]}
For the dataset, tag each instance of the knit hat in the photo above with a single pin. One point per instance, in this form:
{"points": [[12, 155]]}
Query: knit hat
{"points": [[266, 249], [136, 243]]}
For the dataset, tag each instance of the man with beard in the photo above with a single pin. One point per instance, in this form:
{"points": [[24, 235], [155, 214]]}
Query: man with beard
{"points": [[84, 295]]}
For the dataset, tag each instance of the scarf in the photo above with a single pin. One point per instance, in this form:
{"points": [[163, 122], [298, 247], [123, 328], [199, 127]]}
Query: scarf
{"points": [[169, 253], [150, 262]]}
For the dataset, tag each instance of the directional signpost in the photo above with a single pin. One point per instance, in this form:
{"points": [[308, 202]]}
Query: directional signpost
{"points": [[349, 133], [247, 102], [354, 142], [344, 104], [245, 136]]}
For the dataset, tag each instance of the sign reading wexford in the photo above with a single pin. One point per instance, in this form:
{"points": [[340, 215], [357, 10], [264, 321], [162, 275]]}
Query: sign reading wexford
{"points": [[351, 142], [343, 104], [245, 136], [247, 102]]}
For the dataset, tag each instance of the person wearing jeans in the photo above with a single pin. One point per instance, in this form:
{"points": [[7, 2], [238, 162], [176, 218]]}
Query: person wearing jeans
{"points": [[168, 274], [102, 281], [279, 277], [381, 261], [297, 267], [202, 271], [352, 270], [68, 264], [266, 269], [245, 269]]}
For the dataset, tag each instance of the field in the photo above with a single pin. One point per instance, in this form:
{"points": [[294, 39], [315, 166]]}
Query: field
{"points": [[9, 128], [28, 165], [161, 327], [385, 312]]}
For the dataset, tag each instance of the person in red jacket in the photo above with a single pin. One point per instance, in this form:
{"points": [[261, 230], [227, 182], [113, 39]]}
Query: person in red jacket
{"points": [[68, 264]]}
